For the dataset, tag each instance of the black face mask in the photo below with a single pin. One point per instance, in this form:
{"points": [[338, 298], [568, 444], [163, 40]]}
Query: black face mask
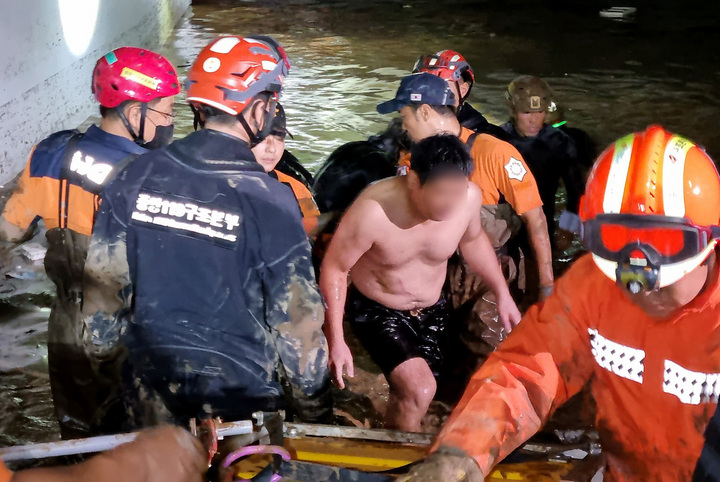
{"points": [[163, 137]]}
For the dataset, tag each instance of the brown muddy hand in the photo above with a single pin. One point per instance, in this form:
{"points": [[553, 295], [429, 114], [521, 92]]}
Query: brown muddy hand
{"points": [[168, 454], [446, 468]]}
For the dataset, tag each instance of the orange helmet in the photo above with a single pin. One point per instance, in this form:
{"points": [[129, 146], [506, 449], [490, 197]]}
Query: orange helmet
{"points": [[651, 210], [231, 71], [446, 64]]}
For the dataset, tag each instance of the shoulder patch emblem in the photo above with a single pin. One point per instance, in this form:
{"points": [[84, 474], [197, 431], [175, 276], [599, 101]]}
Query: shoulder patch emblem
{"points": [[515, 169]]}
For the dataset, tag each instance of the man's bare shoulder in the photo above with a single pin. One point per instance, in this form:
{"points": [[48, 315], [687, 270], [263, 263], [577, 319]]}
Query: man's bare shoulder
{"points": [[383, 189], [474, 197], [370, 204]]}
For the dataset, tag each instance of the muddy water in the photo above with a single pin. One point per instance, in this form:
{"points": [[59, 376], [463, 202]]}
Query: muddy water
{"points": [[611, 77]]}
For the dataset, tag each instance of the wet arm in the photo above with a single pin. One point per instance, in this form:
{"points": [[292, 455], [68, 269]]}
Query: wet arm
{"points": [[353, 238], [544, 362], [537, 229]]}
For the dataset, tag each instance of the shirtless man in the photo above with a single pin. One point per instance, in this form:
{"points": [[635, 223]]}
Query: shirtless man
{"points": [[394, 242]]}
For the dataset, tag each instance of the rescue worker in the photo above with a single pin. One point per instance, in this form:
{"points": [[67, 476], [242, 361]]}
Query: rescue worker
{"points": [[203, 259], [549, 152], [452, 67], [268, 154], [165, 454], [61, 184], [501, 175], [636, 320]]}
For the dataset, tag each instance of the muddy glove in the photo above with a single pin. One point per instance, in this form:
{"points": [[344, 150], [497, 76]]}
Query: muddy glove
{"points": [[166, 454], [446, 465]]}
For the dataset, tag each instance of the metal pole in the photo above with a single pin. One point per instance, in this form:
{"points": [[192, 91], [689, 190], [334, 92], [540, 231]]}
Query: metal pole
{"points": [[98, 444]]}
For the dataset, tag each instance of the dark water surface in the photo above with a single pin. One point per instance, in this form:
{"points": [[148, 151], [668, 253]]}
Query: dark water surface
{"points": [[346, 56]]}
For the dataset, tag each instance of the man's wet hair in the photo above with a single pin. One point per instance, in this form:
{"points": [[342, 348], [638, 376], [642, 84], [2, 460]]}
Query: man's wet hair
{"points": [[440, 156]]}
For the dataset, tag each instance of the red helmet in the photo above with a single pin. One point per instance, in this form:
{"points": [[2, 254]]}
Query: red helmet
{"points": [[447, 64], [650, 211], [232, 70], [132, 73]]}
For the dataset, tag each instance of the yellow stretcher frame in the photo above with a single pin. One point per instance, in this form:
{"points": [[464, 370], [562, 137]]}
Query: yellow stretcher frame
{"points": [[375, 456]]}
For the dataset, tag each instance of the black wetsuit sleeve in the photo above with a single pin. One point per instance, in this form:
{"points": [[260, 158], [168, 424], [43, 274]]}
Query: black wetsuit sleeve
{"points": [[294, 313], [572, 176]]}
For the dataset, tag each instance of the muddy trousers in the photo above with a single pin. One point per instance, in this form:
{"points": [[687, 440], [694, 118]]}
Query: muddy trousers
{"points": [[480, 327], [84, 390]]}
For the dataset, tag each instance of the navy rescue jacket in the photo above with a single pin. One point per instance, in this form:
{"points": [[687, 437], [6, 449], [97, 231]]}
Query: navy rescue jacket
{"points": [[202, 269], [469, 117]]}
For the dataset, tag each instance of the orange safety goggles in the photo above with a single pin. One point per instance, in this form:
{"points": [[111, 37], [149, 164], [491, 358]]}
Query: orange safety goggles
{"points": [[664, 240]]}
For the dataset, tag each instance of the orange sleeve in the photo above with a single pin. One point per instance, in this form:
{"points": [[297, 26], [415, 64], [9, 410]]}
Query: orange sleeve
{"points": [[5, 474], [513, 178], [546, 360], [404, 160], [26, 202], [309, 209]]}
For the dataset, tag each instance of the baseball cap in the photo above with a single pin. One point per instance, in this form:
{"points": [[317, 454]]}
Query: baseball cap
{"points": [[421, 88]]}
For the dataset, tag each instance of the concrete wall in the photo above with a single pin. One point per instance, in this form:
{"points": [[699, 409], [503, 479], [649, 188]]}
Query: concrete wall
{"points": [[49, 51]]}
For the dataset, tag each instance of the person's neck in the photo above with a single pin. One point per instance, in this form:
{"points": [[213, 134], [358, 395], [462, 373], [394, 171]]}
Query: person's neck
{"points": [[417, 216], [234, 130], [115, 127], [448, 125]]}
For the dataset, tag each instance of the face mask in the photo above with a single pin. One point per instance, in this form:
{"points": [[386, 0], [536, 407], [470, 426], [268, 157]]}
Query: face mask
{"points": [[163, 137]]}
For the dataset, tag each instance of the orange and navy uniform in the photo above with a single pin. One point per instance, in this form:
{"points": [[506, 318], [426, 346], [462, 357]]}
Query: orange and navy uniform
{"points": [[310, 211], [656, 383], [499, 171], [62, 180]]}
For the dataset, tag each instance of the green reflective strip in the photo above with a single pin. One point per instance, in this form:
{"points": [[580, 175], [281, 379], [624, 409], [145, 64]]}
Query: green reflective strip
{"points": [[111, 58], [560, 124]]}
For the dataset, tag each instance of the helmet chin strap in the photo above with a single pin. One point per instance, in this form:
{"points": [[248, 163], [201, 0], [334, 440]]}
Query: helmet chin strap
{"points": [[137, 138], [197, 118], [462, 98], [257, 137]]}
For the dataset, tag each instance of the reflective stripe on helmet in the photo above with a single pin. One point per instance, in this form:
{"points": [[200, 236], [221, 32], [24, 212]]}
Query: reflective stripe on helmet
{"points": [[674, 176], [618, 175]]}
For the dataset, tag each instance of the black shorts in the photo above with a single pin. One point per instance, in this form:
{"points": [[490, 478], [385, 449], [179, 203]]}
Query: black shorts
{"points": [[393, 336]]}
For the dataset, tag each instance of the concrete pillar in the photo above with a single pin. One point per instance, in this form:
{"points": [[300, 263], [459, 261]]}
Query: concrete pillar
{"points": [[48, 53]]}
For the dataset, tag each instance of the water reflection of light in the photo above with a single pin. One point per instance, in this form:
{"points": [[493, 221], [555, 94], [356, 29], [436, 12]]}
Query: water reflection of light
{"points": [[78, 19]]}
